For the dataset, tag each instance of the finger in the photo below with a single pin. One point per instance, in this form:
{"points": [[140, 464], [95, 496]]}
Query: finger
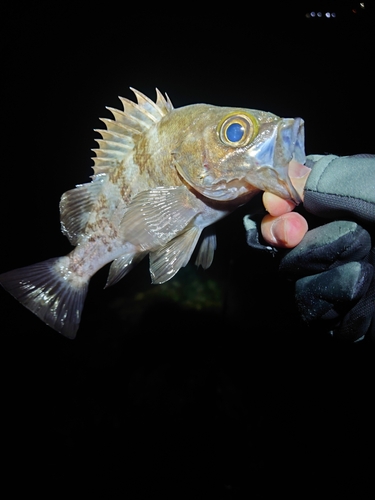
{"points": [[285, 231], [298, 174], [275, 205]]}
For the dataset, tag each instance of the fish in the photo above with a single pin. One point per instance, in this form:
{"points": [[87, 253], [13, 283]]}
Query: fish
{"points": [[162, 177]]}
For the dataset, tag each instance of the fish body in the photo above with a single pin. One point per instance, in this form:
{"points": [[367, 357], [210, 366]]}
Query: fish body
{"points": [[162, 177]]}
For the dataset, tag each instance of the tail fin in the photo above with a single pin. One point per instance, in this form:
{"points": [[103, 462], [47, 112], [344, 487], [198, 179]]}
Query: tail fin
{"points": [[44, 290]]}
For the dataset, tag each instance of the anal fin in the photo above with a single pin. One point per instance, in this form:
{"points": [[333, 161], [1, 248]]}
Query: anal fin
{"points": [[121, 266]]}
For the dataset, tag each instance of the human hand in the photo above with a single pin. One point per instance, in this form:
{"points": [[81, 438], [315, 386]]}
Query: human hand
{"points": [[282, 227], [333, 264]]}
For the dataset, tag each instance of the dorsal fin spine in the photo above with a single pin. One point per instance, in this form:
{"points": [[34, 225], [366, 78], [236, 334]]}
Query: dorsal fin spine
{"points": [[115, 125], [111, 145], [129, 106], [148, 105], [163, 103], [114, 137], [127, 126], [126, 119]]}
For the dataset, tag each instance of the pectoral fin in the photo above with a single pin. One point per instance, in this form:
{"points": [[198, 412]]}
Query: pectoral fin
{"points": [[168, 260], [157, 216]]}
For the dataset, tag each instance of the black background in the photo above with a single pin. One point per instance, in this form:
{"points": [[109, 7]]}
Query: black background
{"points": [[160, 396]]}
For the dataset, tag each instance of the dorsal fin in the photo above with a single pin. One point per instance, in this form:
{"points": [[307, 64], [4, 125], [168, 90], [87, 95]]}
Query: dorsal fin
{"points": [[164, 104], [124, 131], [114, 146], [158, 109]]}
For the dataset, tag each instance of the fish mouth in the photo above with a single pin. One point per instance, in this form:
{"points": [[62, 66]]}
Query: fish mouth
{"points": [[272, 157]]}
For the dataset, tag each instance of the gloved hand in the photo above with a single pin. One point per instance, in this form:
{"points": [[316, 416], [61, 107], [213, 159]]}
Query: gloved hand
{"points": [[335, 282], [334, 264]]}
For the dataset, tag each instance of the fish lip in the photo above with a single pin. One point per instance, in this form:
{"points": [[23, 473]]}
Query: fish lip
{"points": [[297, 154], [298, 134]]}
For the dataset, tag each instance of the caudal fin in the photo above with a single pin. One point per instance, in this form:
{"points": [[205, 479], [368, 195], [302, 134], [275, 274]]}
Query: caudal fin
{"points": [[44, 290]]}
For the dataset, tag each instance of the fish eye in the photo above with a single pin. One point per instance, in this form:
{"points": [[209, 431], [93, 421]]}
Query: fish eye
{"points": [[238, 129], [235, 132]]}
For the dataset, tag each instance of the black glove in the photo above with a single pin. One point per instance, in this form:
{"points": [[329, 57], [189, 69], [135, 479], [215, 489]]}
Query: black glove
{"points": [[334, 264], [335, 281]]}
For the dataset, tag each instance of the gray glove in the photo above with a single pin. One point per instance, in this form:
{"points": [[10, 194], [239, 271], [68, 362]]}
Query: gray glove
{"points": [[341, 187], [333, 266]]}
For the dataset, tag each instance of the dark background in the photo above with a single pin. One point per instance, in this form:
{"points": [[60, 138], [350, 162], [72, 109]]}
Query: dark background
{"points": [[208, 386]]}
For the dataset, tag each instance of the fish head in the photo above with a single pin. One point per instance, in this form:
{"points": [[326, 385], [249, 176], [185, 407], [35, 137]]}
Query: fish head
{"points": [[228, 152]]}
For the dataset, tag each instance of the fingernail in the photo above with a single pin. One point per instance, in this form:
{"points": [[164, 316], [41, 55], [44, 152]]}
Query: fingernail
{"points": [[279, 231], [297, 170]]}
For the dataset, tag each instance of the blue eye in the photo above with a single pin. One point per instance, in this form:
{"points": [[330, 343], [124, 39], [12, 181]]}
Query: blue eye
{"points": [[235, 132], [238, 129]]}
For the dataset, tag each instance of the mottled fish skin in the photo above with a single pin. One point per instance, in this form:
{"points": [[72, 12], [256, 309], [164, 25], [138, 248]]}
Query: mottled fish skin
{"points": [[162, 177]]}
